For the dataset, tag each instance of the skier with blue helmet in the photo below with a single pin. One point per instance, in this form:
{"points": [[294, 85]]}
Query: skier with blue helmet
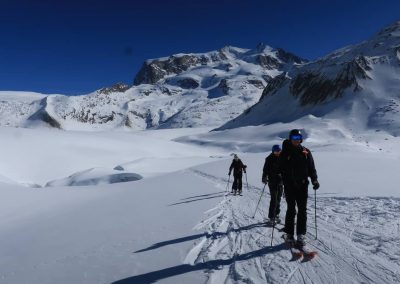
{"points": [[272, 176]]}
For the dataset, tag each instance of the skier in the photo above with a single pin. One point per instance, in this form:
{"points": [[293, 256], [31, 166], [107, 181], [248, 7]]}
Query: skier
{"points": [[238, 168], [297, 165], [272, 176]]}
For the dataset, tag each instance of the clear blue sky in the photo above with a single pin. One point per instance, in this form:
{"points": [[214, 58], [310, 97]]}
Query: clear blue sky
{"points": [[74, 47]]}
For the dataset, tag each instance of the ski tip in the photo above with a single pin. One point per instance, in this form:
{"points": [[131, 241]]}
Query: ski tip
{"points": [[310, 255], [313, 254]]}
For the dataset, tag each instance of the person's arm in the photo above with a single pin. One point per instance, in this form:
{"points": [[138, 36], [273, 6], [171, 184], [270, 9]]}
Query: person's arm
{"points": [[265, 169], [231, 167], [312, 172], [243, 166]]}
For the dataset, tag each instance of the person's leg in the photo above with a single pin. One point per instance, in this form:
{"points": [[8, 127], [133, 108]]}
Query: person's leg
{"points": [[301, 200], [234, 184], [240, 183], [291, 210], [272, 203], [279, 192]]}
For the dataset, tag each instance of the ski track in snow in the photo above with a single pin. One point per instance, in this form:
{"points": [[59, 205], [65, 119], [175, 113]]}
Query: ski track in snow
{"points": [[357, 241]]}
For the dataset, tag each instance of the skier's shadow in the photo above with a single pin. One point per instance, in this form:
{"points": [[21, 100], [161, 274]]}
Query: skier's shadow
{"points": [[154, 276], [213, 235]]}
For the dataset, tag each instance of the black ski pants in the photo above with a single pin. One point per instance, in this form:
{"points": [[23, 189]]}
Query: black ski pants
{"points": [[237, 182], [296, 195], [275, 190]]}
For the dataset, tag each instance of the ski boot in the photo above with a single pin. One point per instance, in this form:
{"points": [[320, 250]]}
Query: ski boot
{"points": [[301, 241], [289, 239]]}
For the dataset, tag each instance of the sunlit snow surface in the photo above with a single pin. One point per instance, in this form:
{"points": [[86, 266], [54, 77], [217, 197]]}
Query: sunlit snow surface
{"points": [[175, 224]]}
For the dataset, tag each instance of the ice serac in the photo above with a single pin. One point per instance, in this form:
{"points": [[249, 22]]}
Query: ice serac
{"points": [[359, 84], [182, 90]]}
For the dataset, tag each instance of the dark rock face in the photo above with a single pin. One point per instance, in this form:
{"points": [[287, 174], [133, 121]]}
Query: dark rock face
{"points": [[188, 83], [221, 90], [223, 85], [314, 88], [268, 62], [119, 87], [275, 84], [289, 57], [149, 74], [257, 83], [184, 83], [153, 71]]}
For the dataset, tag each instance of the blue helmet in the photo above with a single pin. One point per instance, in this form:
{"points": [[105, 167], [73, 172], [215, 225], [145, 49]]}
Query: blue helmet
{"points": [[295, 134], [276, 148]]}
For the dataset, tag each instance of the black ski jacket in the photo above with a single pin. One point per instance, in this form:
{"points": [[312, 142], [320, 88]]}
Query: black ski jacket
{"points": [[238, 167], [272, 169], [297, 164]]}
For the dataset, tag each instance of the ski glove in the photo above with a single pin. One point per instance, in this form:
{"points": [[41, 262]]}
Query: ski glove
{"points": [[315, 184], [265, 180]]}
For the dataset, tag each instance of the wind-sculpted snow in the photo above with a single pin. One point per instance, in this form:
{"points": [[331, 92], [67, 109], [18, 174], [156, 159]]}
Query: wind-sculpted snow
{"points": [[95, 176]]}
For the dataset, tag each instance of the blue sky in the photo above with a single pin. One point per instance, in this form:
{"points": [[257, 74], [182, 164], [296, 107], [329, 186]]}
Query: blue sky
{"points": [[74, 47]]}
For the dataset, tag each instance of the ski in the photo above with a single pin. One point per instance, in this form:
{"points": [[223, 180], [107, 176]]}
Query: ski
{"points": [[296, 252], [307, 252]]}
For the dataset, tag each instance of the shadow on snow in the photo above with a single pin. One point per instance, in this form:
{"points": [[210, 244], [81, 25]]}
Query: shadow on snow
{"points": [[154, 276]]}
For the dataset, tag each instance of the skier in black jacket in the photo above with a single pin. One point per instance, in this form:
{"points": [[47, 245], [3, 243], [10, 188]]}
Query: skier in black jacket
{"points": [[297, 165], [272, 176], [238, 168]]}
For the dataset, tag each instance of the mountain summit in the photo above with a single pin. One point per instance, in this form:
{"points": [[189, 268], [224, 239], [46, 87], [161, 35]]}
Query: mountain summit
{"points": [[360, 83], [182, 90]]}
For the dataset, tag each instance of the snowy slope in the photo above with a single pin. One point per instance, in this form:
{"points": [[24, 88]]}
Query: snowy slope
{"points": [[175, 225], [358, 84], [17, 107], [183, 90]]}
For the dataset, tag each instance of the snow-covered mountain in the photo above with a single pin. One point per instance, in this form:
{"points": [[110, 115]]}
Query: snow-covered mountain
{"points": [[358, 84], [183, 90]]}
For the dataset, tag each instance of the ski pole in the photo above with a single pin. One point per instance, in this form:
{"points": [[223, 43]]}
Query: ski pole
{"points": [[262, 192], [247, 182], [315, 214], [227, 185], [276, 201]]}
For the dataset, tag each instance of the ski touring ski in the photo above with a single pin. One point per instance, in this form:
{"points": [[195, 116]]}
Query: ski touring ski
{"points": [[296, 252], [299, 251], [307, 252]]}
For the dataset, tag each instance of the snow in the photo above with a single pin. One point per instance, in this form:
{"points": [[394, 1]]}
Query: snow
{"points": [[95, 176], [165, 104], [106, 202], [175, 224], [370, 102]]}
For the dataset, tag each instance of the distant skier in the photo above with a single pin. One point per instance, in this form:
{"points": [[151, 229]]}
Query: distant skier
{"points": [[238, 168], [297, 165], [273, 177]]}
